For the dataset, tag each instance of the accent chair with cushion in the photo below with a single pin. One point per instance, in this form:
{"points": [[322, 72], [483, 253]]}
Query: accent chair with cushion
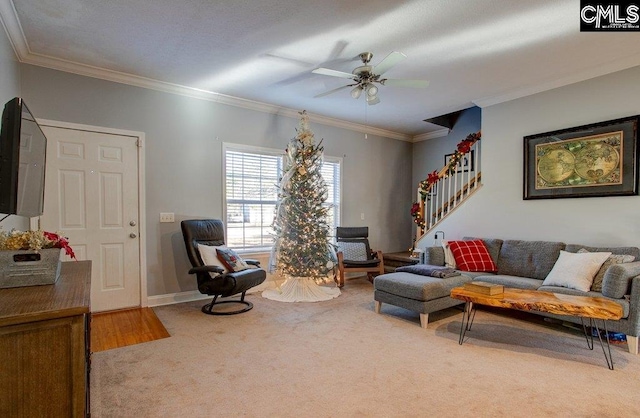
{"points": [[355, 255], [220, 271]]}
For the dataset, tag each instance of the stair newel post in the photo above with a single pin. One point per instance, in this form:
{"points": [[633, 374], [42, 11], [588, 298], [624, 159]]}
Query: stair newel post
{"points": [[423, 213], [432, 205], [475, 163], [467, 157], [455, 188]]}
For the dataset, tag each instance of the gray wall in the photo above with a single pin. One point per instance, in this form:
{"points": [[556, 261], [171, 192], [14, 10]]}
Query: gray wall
{"points": [[498, 210], [9, 88], [183, 148]]}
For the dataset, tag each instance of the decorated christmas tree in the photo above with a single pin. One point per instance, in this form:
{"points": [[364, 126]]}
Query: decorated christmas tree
{"points": [[302, 252]]}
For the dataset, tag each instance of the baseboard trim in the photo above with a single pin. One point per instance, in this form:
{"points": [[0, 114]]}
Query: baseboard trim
{"points": [[171, 298], [190, 296]]}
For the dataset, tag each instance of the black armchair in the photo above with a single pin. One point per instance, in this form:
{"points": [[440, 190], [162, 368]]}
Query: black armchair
{"points": [[355, 255], [212, 280]]}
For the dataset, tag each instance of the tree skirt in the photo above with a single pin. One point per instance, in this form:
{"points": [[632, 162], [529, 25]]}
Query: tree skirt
{"points": [[301, 289]]}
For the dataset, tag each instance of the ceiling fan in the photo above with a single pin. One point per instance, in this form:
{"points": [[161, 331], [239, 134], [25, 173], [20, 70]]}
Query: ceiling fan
{"points": [[367, 76]]}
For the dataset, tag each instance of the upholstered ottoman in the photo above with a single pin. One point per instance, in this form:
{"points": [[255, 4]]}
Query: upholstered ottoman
{"points": [[416, 293]]}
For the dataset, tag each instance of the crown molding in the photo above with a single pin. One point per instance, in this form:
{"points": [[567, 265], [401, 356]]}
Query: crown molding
{"points": [[431, 135], [147, 83], [13, 29]]}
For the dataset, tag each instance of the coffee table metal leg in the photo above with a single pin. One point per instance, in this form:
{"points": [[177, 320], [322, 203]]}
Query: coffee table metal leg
{"points": [[468, 316], [607, 353], [593, 324], [588, 337]]}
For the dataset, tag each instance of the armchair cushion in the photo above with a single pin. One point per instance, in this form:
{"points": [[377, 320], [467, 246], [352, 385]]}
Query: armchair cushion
{"points": [[231, 260], [209, 255], [361, 263], [353, 251]]}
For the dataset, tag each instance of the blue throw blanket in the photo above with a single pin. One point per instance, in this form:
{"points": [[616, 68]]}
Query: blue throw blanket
{"points": [[429, 270]]}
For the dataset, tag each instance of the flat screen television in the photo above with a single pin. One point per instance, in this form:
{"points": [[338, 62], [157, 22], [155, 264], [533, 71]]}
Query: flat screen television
{"points": [[23, 148]]}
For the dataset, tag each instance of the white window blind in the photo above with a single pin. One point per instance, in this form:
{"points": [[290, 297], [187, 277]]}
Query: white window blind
{"points": [[251, 194], [331, 174], [251, 191]]}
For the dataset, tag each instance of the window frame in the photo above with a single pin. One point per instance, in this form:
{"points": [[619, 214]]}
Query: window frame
{"points": [[242, 148]]}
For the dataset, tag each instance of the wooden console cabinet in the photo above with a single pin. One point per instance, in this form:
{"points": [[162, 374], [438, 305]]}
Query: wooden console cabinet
{"points": [[44, 346], [395, 260]]}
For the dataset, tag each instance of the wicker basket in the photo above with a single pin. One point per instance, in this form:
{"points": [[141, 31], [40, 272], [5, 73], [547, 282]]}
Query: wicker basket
{"points": [[29, 267]]}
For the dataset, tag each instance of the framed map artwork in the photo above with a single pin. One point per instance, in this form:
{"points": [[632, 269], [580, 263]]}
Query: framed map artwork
{"points": [[585, 161]]}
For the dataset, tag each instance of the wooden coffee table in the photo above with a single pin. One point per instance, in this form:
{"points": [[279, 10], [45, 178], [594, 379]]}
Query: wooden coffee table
{"points": [[532, 300]]}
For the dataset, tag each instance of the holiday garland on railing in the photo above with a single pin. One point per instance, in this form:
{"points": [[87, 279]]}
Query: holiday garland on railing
{"points": [[432, 178]]}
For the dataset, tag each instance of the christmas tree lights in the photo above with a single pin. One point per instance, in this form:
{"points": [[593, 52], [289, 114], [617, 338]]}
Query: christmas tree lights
{"points": [[302, 252]]}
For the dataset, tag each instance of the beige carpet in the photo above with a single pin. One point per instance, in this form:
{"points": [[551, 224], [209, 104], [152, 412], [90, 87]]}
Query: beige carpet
{"points": [[341, 359]]}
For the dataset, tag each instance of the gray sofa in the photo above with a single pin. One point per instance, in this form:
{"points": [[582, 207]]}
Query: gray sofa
{"points": [[521, 264]]}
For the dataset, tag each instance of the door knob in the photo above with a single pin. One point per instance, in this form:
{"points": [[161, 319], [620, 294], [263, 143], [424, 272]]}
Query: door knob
{"points": [[132, 223], [132, 235]]}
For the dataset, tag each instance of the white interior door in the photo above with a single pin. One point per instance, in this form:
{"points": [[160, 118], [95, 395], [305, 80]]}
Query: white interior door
{"points": [[91, 197]]}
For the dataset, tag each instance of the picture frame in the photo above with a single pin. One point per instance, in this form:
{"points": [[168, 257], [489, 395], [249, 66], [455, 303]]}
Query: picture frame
{"points": [[594, 160], [433, 191], [465, 164]]}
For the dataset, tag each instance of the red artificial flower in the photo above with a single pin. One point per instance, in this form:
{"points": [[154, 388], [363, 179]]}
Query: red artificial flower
{"points": [[60, 242], [464, 146], [432, 177]]}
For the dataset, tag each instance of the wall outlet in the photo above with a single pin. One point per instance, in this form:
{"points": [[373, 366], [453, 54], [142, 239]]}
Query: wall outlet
{"points": [[362, 216], [167, 217]]}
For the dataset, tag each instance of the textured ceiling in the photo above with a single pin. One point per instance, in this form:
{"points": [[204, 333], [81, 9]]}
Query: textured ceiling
{"points": [[472, 52]]}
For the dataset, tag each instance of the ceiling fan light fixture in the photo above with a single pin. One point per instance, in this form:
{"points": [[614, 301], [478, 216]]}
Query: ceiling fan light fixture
{"points": [[366, 77], [356, 92]]}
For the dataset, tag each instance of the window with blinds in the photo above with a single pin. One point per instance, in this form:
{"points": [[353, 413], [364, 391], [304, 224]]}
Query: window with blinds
{"points": [[251, 192], [331, 174]]}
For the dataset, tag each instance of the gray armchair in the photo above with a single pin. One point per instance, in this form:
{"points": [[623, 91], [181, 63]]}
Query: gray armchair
{"points": [[355, 255]]}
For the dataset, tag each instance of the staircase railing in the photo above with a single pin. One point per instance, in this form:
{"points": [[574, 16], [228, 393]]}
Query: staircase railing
{"points": [[444, 190]]}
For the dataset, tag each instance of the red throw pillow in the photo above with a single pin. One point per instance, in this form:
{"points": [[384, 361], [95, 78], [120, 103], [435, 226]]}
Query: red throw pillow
{"points": [[472, 255]]}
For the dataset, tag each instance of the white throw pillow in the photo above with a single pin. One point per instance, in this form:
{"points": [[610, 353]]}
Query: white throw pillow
{"points": [[449, 260], [575, 270], [209, 256]]}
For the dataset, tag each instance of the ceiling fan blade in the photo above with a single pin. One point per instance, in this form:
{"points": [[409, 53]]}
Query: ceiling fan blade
{"points": [[416, 84], [333, 73], [388, 62], [326, 93]]}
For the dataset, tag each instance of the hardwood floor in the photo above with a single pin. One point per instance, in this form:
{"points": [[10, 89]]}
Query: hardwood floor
{"points": [[127, 327]]}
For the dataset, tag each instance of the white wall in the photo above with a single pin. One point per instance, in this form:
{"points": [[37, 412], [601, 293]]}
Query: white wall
{"points": [[498, 210], [183, 154]]}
